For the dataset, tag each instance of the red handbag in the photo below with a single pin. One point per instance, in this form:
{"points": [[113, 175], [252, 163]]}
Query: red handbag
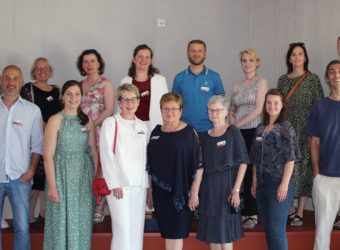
{"points": [[99, 187]]}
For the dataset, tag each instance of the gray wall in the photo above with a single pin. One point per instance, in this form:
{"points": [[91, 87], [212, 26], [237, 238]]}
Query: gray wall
{"points": [[61, 29]]}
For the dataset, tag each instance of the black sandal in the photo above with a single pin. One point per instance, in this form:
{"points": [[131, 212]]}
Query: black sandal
{"points": [[297, 221]]}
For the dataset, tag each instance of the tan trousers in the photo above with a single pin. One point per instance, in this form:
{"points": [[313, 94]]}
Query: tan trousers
{"points": [[326, 199]]}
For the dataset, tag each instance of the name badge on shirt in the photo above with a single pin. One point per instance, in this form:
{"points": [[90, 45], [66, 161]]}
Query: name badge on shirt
{"points": [[50, 98], [204, 89], [258, 138], [221, 144], [155, 137], [84, 129], [145, 93], [18, 122]]}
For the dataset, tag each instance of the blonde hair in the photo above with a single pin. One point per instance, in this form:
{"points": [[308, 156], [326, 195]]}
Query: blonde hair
{"points": [[251, 52], [127, 87], [35, 62]]}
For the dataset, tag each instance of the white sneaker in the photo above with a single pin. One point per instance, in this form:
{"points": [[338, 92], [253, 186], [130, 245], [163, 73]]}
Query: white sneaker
{"points": [[4, 223]]}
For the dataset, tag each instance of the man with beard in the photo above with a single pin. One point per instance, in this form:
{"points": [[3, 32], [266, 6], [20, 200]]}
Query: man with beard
{"points": [[196, 85], [323, 128]]}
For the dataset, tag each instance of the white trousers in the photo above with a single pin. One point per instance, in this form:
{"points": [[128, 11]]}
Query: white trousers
{"points": [[127, 218], [326, 199]]}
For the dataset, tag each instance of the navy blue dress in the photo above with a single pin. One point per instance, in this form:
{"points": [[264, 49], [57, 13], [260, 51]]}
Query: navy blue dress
{"points": [[173, 159], [221, 158]]}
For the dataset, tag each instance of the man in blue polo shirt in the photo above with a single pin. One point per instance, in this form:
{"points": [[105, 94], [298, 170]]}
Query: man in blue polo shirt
{"points": [[196, 85], [324, 130], [21, 136]]}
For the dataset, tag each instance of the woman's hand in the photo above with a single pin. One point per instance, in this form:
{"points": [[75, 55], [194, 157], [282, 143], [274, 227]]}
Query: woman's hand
{"points": [[193, 201], [53, 194], [253, 189], [149, 199], [118, 193], [234, 198], [282, 192]]}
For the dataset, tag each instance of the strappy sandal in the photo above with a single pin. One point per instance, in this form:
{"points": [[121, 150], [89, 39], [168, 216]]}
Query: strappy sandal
{"points": [[297, 221], [291, 213], [98, 218], [250, 222], [337, 224]]}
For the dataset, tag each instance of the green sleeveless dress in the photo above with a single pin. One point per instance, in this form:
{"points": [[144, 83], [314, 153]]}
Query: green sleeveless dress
{"points": [[68, 224]]}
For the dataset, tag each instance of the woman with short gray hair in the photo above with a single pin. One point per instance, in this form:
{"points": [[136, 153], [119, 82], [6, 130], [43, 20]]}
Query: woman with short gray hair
{"points": [[225, 158]]}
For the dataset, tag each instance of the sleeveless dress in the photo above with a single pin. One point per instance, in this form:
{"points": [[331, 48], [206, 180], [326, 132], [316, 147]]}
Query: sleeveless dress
{"points": [[298, 107], [68, 224], [92, 102]]}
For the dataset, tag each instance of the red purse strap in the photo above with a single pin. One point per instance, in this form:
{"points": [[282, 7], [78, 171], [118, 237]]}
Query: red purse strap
{"points": [[114, 148]]}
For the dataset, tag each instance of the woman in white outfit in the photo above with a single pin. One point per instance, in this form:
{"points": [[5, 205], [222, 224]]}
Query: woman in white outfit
{"points": [[150, 84], [124, 170]]}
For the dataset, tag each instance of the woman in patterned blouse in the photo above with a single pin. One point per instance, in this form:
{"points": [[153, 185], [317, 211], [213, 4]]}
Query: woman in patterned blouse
{"points": [[274, 152]]}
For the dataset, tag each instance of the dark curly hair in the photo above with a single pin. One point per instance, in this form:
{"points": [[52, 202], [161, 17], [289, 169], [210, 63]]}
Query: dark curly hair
{"points": [[99, 58]]}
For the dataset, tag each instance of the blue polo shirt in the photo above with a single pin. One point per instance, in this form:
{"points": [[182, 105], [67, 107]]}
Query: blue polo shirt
{"points": [[323, 122], [196, 91]]}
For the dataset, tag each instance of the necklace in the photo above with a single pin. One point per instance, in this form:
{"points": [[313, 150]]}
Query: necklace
{"points": [[247, 81]]}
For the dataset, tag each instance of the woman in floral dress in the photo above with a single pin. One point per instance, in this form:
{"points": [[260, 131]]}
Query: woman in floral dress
{"points": [[97, 101], [298, 108]]}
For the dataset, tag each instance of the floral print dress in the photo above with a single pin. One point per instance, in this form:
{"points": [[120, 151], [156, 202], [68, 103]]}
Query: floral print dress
{"points": [[92, 102]]}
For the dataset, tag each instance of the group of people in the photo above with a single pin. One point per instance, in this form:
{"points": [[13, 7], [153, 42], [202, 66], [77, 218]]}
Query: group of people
{"points": [[236, 161]]}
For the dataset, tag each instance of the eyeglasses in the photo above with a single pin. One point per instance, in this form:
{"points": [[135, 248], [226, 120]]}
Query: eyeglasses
{"points": [[45, 69], [170, 109], [217, 111], [132, 100], [296, 44]]}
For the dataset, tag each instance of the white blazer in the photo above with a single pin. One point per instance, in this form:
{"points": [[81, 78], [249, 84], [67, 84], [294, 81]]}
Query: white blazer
{"points": [[158, 88]]}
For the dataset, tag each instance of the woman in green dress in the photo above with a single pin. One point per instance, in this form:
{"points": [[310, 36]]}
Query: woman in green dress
{"points": [[299, 103], [69, 153]]}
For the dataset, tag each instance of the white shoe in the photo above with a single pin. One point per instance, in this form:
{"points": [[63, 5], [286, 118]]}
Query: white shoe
{"points": [[4, 223]]}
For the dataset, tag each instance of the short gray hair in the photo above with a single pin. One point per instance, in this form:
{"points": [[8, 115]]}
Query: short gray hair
{"points": [[219, 99]]}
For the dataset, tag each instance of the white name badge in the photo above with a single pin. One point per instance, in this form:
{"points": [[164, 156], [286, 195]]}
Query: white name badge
{"points": [[258, 138], [145, 93], [50, 98], [221, 144], [18, 122], [205, 89], [155, 137]]}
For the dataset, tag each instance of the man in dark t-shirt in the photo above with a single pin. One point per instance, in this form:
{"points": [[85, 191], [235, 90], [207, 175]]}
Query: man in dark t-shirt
{"points": [[324, 130]]}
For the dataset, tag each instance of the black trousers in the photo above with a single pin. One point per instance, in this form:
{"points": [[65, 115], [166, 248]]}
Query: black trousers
{"points": [[250, 206]]}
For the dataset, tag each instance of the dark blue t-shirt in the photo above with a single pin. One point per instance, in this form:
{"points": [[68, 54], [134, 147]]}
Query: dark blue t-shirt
{"points": [[324, 123]]}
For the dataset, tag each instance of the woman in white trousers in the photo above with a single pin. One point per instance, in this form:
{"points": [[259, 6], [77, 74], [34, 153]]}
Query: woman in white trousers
{"points": [[123, 140]]}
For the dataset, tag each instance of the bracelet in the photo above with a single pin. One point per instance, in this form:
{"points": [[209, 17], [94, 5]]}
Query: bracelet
{"points": [[237, 190]]}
